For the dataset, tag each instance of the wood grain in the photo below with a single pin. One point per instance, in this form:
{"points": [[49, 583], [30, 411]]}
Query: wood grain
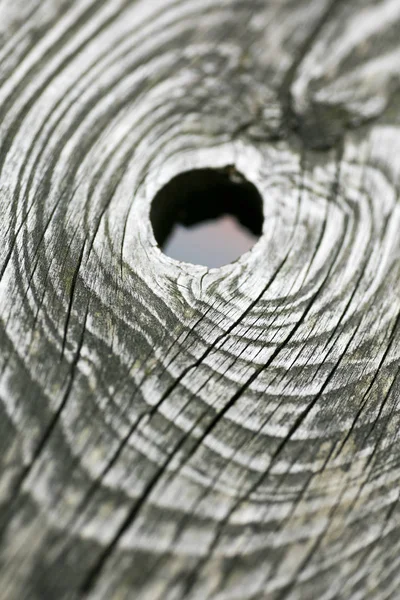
{"points": [[169, 431]]}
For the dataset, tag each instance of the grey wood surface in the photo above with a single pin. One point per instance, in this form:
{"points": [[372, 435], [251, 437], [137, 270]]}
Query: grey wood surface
{"points": [[170, 432]]}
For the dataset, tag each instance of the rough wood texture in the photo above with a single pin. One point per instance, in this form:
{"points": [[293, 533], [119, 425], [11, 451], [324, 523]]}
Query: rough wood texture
{"points": [[168, 431]]}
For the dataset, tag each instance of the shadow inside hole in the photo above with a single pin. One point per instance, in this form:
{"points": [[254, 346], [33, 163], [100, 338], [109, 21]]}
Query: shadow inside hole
{"points": [[207, 216]]}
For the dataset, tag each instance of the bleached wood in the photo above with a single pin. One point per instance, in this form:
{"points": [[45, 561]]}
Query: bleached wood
{"points": [[169, 431]]}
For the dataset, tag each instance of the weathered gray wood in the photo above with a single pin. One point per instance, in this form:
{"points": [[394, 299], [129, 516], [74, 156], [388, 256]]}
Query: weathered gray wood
{"points": [[169, 431]]}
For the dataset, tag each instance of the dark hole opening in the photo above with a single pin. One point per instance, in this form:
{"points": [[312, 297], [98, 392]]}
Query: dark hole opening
{"points": [[207, 216]]}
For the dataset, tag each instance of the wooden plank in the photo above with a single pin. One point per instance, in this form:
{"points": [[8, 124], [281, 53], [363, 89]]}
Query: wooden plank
{"points": [[170, 431]]}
